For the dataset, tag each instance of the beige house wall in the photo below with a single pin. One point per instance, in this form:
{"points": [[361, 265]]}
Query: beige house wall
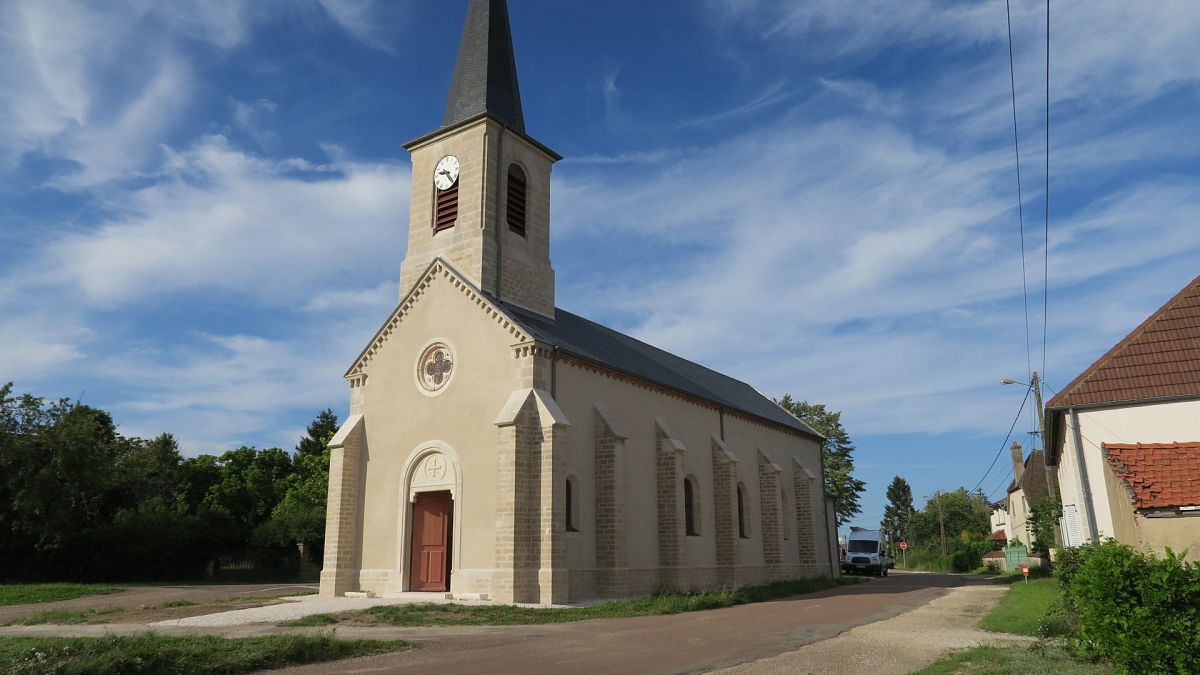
{"points": [[1018, 519], [1000, 522], [1150, 423]]}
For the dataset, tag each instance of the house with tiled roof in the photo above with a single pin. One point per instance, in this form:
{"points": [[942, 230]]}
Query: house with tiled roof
{"points": [[1027, 489], [1125, 437]]}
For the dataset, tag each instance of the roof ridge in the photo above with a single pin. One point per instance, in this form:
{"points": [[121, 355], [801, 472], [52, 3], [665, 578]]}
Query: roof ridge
{"points": [[1059, 400]]}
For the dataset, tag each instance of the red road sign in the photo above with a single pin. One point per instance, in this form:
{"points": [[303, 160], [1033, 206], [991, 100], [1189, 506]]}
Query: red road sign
{"points": [[903, 545]]}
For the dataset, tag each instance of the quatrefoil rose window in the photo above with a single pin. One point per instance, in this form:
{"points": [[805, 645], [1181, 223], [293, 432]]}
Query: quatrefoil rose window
{"points": [[435, 367]]}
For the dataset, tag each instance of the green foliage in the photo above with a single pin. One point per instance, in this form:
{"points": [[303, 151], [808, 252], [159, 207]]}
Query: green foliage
{"points": [[898, 512], [1141, 612], [1044, 514], [837, 453], [300, 514], [508, 615], [80, 501], [150, 653], [320, 432], [966, 519]]}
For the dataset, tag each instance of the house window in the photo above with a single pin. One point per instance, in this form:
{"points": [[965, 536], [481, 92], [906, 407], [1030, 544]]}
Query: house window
{"points": [[572, 505], [691, 509], [743, 523], [517, 193], [445, 208]]}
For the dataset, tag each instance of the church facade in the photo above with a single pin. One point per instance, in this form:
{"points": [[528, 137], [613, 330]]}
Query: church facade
{"points": [[500, 447]]}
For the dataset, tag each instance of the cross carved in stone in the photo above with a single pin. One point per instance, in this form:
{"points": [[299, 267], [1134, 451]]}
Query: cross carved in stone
{"points": [[438, 368]]}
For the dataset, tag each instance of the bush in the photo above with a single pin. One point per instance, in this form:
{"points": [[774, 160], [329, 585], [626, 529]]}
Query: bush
{"points": [[1141, 612]]}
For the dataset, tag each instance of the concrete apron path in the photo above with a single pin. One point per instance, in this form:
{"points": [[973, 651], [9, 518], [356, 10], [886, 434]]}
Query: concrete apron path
{"points": [[901, 644]]}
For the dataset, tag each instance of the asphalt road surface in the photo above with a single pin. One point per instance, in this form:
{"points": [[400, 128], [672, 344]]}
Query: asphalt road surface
{"points": [[694, 642]]}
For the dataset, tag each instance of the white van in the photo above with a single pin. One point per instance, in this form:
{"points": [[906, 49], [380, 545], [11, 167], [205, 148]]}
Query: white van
{"points": [[866, 554]]}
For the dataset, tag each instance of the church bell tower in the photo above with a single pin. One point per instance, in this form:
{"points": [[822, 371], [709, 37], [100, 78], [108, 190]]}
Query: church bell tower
{"points": [[480, 184]]}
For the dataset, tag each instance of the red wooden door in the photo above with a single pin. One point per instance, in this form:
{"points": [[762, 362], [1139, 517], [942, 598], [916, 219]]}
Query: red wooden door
{"points": [[430, 562]]}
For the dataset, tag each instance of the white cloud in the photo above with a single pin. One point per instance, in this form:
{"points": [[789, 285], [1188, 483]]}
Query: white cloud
{"points": [[225, 220], [361, 18]]}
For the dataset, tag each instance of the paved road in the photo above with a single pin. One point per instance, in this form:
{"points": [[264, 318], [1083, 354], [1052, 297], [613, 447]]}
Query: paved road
{"points": [[694, 642], [139, 596]]}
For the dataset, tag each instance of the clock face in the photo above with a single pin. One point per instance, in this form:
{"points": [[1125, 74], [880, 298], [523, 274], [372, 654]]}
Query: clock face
{"points": [[446, 173]]}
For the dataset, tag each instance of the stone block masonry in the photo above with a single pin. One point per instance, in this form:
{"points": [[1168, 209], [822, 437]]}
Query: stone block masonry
{"points": [[724, 468], [343, 511], [806, 524], [672, 554], [771, 511], [611, 563]]}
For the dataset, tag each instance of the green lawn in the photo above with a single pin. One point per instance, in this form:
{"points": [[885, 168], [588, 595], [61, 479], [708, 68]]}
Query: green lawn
{"points": [[150, 653], [1012, 660], [1023, 607], [64, 617], [27, 594], [506, 615]]}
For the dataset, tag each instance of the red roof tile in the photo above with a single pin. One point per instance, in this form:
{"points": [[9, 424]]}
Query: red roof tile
{"points": [[1160, 359], [1158, 475]]}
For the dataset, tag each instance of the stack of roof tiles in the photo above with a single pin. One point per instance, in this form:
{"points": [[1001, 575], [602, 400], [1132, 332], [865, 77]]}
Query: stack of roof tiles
{"points": [[1160, 359], [1158, 475]]}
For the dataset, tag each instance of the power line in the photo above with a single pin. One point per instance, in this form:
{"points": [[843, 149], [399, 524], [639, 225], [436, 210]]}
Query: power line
{"points": [[1046, 263], [995, 459], [1012, 78]]}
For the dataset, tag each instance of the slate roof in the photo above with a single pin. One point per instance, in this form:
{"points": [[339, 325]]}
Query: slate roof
{"points": [[591, 341], [485, 74], [1158, 475], [1160, 359]]}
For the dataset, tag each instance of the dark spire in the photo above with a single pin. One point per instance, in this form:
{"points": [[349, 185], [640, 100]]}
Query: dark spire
{"points": [[485, 75]]}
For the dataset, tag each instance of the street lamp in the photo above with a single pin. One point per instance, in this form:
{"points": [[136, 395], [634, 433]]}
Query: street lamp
{"points": [[1036, 386]]}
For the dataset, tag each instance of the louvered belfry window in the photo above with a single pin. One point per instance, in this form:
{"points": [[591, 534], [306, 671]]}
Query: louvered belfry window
{"points": [[445, 208], [516, 199]]}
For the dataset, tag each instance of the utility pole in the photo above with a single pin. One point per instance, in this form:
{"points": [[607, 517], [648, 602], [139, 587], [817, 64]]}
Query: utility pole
{"points": [[941, 520], [1051, 478]]}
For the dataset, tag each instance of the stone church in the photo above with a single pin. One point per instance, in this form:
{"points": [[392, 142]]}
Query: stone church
{"points": [[499, 447]]}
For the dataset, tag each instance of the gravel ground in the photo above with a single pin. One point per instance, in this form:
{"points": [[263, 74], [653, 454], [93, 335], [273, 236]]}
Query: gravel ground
{"points": [[302, 606], [901, 644], [294, 608]]}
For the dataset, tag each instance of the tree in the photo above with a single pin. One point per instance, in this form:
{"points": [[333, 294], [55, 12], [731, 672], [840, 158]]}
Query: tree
{"points": [[898, 510], [320, 431], [837, 455], [964, 517], [300, 515]]}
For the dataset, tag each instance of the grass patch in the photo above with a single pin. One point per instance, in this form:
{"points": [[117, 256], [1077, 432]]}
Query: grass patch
{"points": [[150, 653], [430, 614], [1012, 660], [63, 617], [178, 603], [1022, 608], [28, 594]]}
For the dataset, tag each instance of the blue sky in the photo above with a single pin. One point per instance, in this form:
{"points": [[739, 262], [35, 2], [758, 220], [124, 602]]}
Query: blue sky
{"points": [[203, 204]]}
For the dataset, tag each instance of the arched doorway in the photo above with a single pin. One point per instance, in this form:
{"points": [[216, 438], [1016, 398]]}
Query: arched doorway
{"points": [[428, 542]]}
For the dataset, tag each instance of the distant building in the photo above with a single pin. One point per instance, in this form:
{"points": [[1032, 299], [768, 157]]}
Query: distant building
{"points": [[1124, 437], [1027, 489]]}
